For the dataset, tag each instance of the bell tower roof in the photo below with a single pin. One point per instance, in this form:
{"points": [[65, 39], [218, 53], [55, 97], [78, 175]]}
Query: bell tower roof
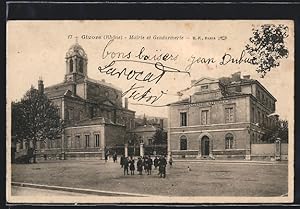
{"points": [[76, 63], [76, 50]]}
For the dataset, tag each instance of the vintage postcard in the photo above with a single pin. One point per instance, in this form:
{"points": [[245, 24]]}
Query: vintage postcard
{"points": [[150, 111]]}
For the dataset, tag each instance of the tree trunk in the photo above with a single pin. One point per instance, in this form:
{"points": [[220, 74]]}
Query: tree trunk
{"points": [[34, 151]]}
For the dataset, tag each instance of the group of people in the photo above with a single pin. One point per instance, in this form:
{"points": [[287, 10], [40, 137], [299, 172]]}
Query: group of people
{"points": [[114, 156], [144, 163]]}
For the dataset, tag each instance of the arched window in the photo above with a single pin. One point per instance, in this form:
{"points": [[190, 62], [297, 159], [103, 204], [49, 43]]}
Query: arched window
{"points": [[71, 65], [81, 66], [229, 141], [183, 143]]}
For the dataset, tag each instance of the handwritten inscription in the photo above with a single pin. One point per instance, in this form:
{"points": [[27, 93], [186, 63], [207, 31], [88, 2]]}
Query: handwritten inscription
{"points": [[158, 60], [141, 58]]}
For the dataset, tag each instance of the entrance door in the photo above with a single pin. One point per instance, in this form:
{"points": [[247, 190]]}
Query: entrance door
{"points": [[205, 145]]}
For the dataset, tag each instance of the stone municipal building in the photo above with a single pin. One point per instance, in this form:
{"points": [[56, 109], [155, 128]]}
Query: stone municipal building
{"points": [[220, 119], [95, 119]]}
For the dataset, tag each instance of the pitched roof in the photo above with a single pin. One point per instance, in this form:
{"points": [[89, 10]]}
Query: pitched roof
{"points": [[183, 101], [95, 121], [103, 83], [145, 128]]}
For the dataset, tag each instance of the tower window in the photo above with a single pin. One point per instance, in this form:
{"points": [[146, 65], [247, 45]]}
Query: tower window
{"points": [[71, 65], [204, 117], [80, 66]]}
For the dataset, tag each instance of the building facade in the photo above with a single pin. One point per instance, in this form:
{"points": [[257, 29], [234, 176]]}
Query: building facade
{"points": [[220, 119], [92, 111]]}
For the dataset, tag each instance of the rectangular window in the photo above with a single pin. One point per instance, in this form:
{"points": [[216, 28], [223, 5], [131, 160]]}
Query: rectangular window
{"points": [[58, 111], [238, 88], [70, 111], [253, 115], [68, 143], [87, 140], [258, 95], [77, 141], [204, 117], [183, 119], [229, 115], [258, 117], [58, 142], [97, 141], [52, 143], [204, 88]]}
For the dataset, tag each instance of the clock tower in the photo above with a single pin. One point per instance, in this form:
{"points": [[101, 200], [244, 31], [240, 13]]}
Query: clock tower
{"points": [[76, 63]]}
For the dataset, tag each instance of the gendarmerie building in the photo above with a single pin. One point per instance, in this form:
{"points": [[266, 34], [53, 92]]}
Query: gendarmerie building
{"points": [[94, 117], [220, 119]]}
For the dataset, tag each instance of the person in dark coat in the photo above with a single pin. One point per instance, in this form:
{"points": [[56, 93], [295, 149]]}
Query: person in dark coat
{"points": [[150, 163], [146, 164], [115, 157], [125, 164], [170, 161], [131, 166], [156, 162], [139, 166], [106, 157], [121, 161], [162, 167]]}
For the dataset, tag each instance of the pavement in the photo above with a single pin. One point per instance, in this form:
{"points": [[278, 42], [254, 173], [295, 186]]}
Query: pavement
{"points": [[21, 188], [206, 178], [28, 191], [233, 161]]}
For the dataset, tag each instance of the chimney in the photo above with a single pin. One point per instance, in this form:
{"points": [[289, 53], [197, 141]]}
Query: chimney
{"points": [[73, 89], [236, 76], [246, 76], [41, 86], [126, 103], [161, 123]]}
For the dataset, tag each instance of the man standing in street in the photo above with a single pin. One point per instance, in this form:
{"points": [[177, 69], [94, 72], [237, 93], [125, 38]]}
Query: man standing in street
{"points": [[162, 167], [122, 161], [125, 164], [140, 166]]}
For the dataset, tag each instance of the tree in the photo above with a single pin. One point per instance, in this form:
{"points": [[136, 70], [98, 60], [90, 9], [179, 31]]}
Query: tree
{"points": [[35, 118], [159, 137], [279, 130], [268, 47]]}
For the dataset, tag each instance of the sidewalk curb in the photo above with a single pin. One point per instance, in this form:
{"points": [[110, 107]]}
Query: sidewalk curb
{"points": [[79, 190], [236, 161]]}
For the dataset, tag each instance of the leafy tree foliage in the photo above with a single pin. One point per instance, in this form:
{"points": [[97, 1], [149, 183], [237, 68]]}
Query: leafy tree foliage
{"points": [[35, 118], [268, 47], [160, 137], [279, 130]]}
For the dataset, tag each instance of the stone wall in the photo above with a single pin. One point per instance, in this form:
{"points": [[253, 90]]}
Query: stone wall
{"points": [[267, 151]]}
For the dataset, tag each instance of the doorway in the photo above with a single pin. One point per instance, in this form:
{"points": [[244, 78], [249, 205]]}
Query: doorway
{"points": [[205, 146]]}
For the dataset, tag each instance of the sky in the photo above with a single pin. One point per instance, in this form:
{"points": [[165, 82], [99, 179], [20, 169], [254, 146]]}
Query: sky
{"points": [[38, 48]]}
